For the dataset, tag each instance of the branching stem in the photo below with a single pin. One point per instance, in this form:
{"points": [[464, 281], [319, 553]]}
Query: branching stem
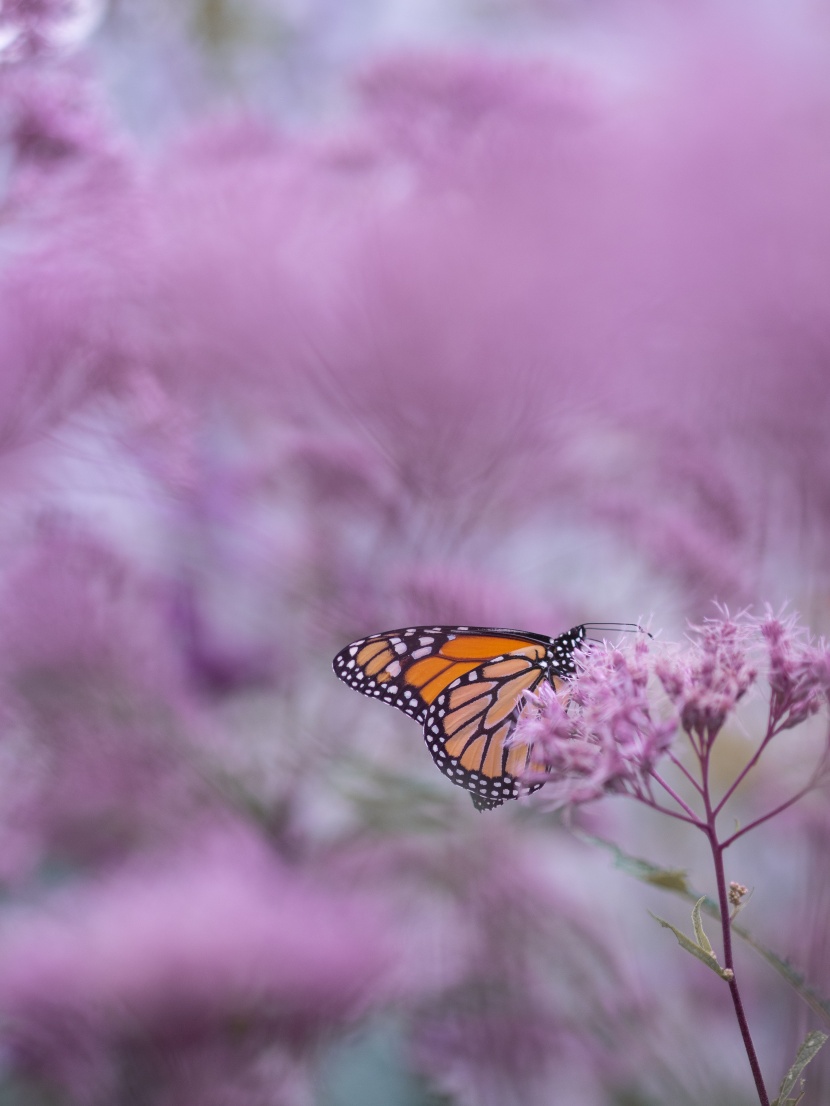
{"points": [[747, 768], [692, 817], [678, 763]]}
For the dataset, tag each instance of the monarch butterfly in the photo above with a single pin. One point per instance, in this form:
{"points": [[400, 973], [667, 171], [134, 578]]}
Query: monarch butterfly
{"points": [[463, 684]]}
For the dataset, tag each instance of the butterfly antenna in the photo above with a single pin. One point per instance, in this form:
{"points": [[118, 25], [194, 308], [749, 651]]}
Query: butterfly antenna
{"points": [[617, 627]]}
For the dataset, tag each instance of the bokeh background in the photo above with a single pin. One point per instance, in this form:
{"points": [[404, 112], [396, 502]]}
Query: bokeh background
{"points": [[321, 318]]}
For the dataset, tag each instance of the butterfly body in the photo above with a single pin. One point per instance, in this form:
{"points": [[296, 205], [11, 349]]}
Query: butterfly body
{"points": [[464, 685]]}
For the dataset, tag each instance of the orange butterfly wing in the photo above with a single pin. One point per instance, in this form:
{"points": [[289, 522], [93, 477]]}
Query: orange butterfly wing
{"points": [[467, 727], [463, 684]]}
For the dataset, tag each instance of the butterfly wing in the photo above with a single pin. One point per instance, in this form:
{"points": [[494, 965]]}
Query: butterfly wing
{"points": [[468, 724], [409, 668], [462, 683]]}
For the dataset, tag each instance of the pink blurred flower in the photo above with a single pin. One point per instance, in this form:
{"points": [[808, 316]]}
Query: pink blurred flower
{"points": [[217, 944], [495, 277], [67, 160], [100, 737], [440, 592], [31, 22]]}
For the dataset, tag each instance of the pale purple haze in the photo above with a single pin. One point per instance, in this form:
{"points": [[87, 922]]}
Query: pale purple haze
{"points": [[313, 325]]}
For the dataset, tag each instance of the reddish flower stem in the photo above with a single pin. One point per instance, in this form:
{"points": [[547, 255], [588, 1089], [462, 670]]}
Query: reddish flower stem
{"points": [[680, 802], [710, 829], [654, 805], [726, 927], [676, 761], [747, 768], [771, 813]]}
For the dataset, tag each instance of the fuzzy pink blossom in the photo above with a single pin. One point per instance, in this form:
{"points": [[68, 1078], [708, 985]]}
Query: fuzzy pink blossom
{"points": [[706, 683], [799, 672], [606, 731], [727, 656], [601, 735]]}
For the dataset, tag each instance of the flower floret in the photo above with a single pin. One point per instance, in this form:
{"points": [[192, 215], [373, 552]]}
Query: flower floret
{"points": [[597, 736]]}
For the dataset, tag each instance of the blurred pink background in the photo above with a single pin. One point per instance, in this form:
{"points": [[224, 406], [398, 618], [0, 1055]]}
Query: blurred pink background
{"points": [[318, 319]]}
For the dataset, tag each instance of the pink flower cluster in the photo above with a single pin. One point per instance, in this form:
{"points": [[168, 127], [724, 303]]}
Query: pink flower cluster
{"points": [[608, 730], [708, 681], [601, 734], [799, 673]]}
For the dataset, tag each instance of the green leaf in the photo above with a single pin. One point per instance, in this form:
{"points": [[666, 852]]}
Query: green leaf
{"points": [[703, 954], [650, 873], [812, 1043], [672, 879], [700, 933]]}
